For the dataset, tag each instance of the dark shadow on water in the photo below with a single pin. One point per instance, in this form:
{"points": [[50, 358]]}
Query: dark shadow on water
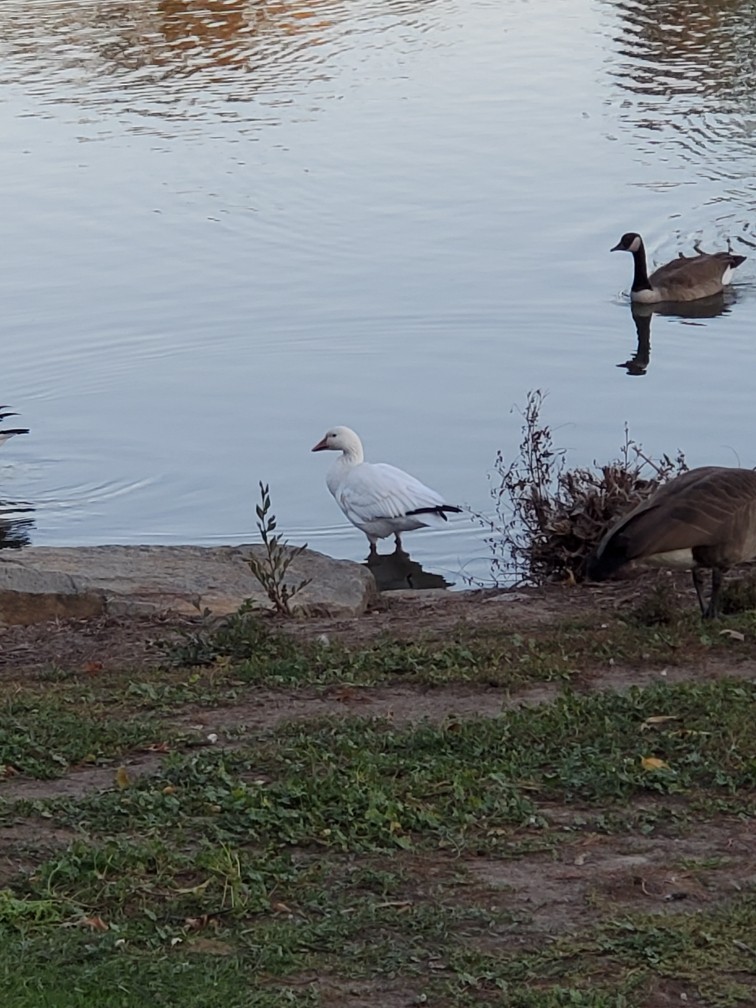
{"points": [[704, 308], [14, 530], [398, 570]]}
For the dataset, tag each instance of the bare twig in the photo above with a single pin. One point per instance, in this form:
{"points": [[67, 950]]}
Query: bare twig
{"points": [[548, 517]]}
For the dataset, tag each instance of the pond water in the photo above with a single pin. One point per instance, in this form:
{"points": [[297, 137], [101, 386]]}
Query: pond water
{"points": [[230, 225]]}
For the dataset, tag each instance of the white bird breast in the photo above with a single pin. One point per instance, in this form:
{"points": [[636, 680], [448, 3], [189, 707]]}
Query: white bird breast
{"points": [[681, 559]]}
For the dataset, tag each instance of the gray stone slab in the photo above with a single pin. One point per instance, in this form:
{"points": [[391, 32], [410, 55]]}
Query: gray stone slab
{"points": [[42, 582]]}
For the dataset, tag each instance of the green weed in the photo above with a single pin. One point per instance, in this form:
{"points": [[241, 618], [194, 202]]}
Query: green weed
{"points": [[272, 569]]}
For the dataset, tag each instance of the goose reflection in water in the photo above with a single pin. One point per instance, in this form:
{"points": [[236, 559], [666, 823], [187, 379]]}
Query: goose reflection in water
{"points": [[398, 570], [14, 530], [686, 311]]}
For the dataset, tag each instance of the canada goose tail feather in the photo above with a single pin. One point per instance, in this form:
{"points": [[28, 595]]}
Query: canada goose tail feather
{"points": [[737, 260]]}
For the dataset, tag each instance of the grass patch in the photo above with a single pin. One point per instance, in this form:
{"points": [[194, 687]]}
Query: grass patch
{"points": [[339, 849], [64, 717], [623, 962], [329, 854], [74, 971], [365, 785], [247, 650], [45, 735]]}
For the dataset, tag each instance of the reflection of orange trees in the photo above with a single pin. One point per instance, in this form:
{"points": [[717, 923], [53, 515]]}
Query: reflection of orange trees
{"points": [[178, 38], [229, 29], [161, 42], [191, 36]]}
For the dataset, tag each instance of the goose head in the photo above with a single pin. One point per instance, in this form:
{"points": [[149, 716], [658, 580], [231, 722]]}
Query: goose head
{"points": [[629, 242], [341, 439]]}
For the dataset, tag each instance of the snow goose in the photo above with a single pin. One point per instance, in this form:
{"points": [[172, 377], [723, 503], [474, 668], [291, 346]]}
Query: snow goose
{"points": [[378, 498], [682, 279], [12, 431]]}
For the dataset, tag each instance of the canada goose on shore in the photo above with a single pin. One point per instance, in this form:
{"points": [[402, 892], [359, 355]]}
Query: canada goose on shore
{"points": [[686, 278], [705, 518], [11, 431], [377, 498]]}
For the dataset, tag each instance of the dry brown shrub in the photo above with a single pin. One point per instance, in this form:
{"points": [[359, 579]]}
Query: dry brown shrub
{"points": [[549, 518]]}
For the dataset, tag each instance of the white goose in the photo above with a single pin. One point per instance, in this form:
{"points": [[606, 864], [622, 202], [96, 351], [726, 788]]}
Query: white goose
{"points": [[379, 499], [12, 431]]}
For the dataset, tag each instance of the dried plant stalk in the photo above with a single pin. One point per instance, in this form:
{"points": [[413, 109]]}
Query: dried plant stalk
{"points": [[549, 518]]}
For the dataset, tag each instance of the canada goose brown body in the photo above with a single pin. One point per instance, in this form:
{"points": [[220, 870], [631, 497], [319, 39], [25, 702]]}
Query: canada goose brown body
{"points": [[686, 278], [705, 518]]}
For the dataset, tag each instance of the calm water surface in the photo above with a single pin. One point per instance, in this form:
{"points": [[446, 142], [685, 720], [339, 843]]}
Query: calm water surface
{"points": [[230, 225]]}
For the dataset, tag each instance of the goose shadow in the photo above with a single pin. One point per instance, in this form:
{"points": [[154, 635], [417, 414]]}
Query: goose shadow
{"points": [[704, 308], [396, 570]]}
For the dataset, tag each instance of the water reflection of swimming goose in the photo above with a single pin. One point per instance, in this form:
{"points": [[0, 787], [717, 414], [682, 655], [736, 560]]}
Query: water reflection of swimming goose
{"points": [[686, 312], [686, 278], [379, 499], [11, 431], [705, 518]]}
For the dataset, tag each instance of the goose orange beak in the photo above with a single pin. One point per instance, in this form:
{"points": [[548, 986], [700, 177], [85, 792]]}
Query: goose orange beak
{"points": [[320, 446]]}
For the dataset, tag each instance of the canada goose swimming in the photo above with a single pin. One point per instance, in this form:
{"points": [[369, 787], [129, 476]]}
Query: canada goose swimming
{"points": [[705, 518], [682, 279], [12, 431], [379, 499]]}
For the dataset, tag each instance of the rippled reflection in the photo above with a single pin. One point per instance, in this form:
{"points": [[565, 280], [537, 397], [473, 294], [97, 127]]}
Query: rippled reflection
{"points": [[704, 308], [398, 570], [687, 48], [686, 70], [638, 363], [209, 52], [14, 530]]}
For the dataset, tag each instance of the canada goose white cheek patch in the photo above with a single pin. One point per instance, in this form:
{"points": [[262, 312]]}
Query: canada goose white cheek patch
{"points": [[635, 244]]}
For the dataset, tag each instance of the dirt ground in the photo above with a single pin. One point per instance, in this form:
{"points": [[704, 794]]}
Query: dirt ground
{"points": [[554, 894], [118, 643], [402, 615]]}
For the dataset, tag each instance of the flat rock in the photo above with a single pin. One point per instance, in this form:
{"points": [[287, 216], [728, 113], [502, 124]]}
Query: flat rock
{"points": [[43, 582]]}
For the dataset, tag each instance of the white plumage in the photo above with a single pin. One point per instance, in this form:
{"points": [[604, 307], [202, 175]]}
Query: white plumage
{"points": [[379, 499], [7, 434]]}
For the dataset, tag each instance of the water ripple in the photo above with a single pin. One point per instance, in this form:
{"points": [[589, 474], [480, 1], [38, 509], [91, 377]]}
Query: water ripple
{"points": [[685, 96], [184, 60]]}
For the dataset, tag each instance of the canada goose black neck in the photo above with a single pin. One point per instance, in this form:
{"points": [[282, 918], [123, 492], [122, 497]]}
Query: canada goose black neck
{"points": [[640, 274], [686, 278]]}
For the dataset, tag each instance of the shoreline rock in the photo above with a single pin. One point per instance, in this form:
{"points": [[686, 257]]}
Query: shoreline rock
{"points": [[39, 583]]}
